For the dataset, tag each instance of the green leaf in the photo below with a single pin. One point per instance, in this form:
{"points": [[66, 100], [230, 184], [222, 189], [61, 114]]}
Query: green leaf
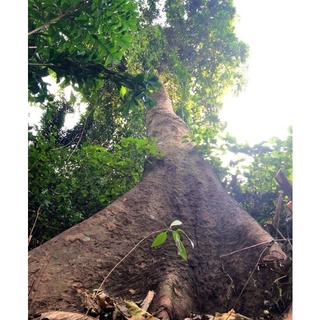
{"points": [[102, 198], [176, 236], [123, 91], [139, 79], [108, 60], [160, 239], [181, 250], [191, 242], [175, 223]]}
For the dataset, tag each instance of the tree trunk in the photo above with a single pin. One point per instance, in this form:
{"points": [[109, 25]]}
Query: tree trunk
{"points": [[182, 186]]}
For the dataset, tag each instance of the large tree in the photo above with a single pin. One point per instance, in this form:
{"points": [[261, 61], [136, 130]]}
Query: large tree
{"points": [[234, 260], [180, 185]]}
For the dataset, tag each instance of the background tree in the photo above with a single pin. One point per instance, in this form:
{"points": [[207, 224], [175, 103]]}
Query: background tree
{"points": [[251, 178]]}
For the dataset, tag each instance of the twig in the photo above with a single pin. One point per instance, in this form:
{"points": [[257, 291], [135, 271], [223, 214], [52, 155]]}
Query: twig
{"points": [[69, 11], [282, 236], [276, 219], [34, 224], [147, 300], [247, 248], [253, 246], [231, 285], [80, 138]]}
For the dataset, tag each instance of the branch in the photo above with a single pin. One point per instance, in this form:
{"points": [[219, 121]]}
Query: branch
{"points": [[48, 65], [276, 219], [92, 69], [34, 224], [80, 138], [284, 183], [58, 18]]}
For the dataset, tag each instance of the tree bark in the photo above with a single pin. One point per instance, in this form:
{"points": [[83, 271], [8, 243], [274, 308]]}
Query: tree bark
{"points": [[181, 185]]}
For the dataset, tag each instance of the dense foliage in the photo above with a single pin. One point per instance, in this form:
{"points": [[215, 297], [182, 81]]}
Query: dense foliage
{"points": [[250, 179], [110, 52], [76, 40]]}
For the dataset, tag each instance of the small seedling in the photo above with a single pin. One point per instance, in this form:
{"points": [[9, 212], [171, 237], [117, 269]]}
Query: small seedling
{"points": [[162, 237]]}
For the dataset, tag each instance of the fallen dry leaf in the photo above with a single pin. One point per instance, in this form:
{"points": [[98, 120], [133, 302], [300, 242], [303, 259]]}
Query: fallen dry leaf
{"points": [[138, 313], [231, 315], [62, 315]]}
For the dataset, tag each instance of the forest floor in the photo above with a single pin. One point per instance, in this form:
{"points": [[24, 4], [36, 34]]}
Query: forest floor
{"points": [[100, 305]]}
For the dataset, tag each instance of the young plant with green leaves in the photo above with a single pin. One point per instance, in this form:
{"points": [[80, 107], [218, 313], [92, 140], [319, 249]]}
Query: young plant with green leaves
{"points": [[162, 237]]}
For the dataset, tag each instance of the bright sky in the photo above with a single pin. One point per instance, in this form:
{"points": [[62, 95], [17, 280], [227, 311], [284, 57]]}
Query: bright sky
{"points": [[265, 108]]}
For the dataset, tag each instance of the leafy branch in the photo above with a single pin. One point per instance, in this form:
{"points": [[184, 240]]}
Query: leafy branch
{"points": [[54, 20]]}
